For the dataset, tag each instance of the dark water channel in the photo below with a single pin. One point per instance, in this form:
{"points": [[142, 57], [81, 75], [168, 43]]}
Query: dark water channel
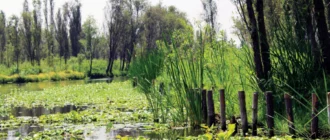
{"points": [[38, 111], [91, 132]]}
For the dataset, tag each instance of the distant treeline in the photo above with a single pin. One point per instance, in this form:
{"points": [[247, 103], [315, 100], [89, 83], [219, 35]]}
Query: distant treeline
{"points": [[131, 27]]}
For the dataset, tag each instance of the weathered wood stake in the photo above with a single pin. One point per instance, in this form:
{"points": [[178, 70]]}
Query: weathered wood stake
{"points": [[204, 106], [233, 121], [242, 104], [314, 125], [255, 114], [328, 103], [162, 88], [134, 81], [210, 108], [270, 113], [289, 112], [223, 109]]}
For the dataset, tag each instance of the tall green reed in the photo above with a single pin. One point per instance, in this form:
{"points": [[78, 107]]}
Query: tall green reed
{"points": [[146, 68], [185, 68]]}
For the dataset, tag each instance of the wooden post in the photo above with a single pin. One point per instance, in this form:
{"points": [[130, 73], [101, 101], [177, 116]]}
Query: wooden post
{"points": [[233, 121], [328, 103], [204, 106], [134, 81], [242, 104], [289, 112], [314, 125], [162, 88], [270, 113], [223, 109], [255, 114], [210, 108]]}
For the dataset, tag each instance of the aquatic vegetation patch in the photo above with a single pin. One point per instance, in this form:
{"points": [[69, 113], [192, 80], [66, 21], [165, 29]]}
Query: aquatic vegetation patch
{"points": [[120, 95]]}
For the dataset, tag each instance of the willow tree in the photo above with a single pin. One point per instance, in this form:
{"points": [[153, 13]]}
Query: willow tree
{"points": [[75, 27], [210, 15], [62, 33], [49, 28], [27, 31], [14, 38], [115, 25], [37, 30], [90, 30], [136, 7], [2, 36]]}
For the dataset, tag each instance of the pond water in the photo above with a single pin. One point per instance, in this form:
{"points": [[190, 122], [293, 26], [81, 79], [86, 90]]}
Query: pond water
{"points": [[90, 131]]}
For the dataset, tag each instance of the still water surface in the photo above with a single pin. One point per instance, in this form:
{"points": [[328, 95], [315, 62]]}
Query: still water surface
{"points": [[91, 132]]}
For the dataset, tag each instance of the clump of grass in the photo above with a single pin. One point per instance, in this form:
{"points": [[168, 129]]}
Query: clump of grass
{"points": [[146, 68], [185, 69]]}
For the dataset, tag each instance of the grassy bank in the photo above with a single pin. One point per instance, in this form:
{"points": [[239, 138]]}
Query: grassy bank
{"points": [[75, 69], [49, 76]]}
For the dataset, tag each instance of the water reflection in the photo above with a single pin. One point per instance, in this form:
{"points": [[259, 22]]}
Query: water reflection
{"points": [[23, 131], [40, 110], [108, 80], [101, 133]]}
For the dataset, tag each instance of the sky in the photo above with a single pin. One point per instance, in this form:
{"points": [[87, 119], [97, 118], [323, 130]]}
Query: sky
{"points": [[193, 9]]}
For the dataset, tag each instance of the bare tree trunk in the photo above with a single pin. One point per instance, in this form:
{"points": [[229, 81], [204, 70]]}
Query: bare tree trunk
{"points": [[123, 61], [327, 3], [265, 56], [91, 64], [255, 41], [322, 33], [311, 33]]}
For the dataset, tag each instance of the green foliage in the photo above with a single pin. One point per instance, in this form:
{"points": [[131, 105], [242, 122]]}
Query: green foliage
{"points": [[186, 71], [77, 68], [146, 68]]}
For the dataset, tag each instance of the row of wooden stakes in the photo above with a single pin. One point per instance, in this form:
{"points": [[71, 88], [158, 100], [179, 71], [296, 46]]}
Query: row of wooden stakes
{"points": [[208, 112], [209, 115]]}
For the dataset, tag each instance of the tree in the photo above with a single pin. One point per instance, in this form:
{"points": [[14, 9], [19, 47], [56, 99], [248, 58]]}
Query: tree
{"points": [[75, 27], [210, 15], [311, 33], [90, 31], [49, 28], [135, 8], [327, 3], [62, 33], [321, 25], [253, 29], [160, 23], [52, 27], [115, 24], [2, 36], [14, 38], [258, 35], [265, 55], [37, 27], [153, 18], [27, 31]]}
